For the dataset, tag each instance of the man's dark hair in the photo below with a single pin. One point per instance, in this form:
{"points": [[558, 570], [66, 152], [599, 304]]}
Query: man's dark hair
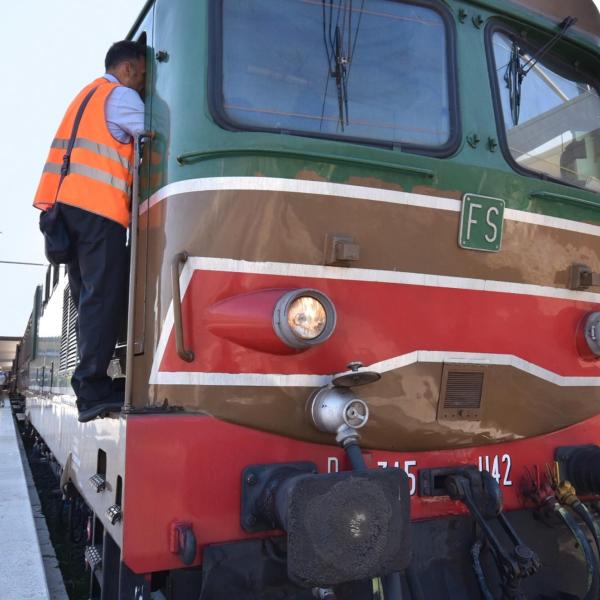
{"points": [[121, 51]]}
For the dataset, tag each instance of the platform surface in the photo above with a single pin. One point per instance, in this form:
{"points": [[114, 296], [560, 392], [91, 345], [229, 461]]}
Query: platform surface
{"points": [[22, 575]]}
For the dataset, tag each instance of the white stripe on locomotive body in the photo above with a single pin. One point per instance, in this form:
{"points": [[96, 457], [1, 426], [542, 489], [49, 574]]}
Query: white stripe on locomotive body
{"points": [[325, 188], [228, 265], [384, 366]]}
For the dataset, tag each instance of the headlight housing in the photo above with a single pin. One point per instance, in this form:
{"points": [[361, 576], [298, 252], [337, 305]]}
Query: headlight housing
{"points": [[304, 318], [588, 336]]}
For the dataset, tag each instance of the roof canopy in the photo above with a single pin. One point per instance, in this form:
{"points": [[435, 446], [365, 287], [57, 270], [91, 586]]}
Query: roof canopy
{"points": [[8, 347]]}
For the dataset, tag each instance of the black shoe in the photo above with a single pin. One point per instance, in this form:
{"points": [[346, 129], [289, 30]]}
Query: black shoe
{"points": [[88, 412], [101, 409]]}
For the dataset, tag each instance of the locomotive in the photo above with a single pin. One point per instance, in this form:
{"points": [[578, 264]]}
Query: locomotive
{"points": [[362, 348]]}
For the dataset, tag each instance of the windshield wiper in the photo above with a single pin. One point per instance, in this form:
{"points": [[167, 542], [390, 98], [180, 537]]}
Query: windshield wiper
{"points": [[339, 49], [516, 72], [341, 77], [514, 78]]}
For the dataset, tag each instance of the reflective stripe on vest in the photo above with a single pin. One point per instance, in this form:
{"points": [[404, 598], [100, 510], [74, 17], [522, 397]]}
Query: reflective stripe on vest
{"points": [[100, 170], [93, 147], [92, 173]]}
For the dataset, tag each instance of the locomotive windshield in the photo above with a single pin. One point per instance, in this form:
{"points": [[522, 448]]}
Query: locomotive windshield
{"points": [[553, 127], [375, 71]]}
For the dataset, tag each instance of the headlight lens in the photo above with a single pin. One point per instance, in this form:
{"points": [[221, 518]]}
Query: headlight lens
{"points": [[307, 317], [304, 318]]}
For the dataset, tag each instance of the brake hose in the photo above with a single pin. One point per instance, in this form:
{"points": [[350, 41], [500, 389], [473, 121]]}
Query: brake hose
{"points": [[483, 586], [582, 510], [567, 496], [414, 585], [590, 559], [354, 454], [392, 586]]}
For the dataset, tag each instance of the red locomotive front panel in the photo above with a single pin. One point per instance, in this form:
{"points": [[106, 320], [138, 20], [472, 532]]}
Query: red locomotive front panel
{"points": [[191, 469]]}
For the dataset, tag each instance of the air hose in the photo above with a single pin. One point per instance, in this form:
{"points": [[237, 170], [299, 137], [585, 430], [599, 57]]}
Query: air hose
{"points": [[392, 586], [590, 559], [566, 494], [414, 585], [354, 454], [483, 586], [582, 510]]}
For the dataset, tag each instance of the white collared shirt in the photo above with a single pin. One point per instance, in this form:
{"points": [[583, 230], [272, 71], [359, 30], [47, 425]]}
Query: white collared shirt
{"points": [[124, 112]]}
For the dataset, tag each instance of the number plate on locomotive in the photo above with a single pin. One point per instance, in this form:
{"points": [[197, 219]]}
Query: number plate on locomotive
{"points": [[481, 221]]}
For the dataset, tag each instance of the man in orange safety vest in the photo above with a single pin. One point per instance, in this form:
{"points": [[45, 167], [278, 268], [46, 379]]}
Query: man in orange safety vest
{"points": [[93, 187]]}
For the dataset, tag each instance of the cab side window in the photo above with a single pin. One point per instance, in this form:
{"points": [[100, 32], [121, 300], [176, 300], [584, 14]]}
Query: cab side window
{"points": [[551, 119]]}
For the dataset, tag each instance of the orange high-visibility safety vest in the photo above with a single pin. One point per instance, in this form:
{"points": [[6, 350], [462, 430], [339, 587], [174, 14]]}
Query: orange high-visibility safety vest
{"points": [[100, 174]]}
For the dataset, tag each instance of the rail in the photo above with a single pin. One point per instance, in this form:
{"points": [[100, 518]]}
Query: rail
{"points": [[191, 157], [182, 351]]}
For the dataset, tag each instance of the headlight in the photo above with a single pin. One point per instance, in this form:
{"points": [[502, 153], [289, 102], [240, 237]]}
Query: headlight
{"points": [[304, 318], [307, 317]]}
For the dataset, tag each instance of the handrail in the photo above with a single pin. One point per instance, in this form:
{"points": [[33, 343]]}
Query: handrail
{"points": [[184, 354], [190, 157], [133, 239]]}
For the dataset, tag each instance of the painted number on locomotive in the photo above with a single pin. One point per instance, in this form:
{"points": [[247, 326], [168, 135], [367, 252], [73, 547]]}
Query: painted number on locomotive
{"points": [[481, 221], [333, 466], [498, 466], [408, 467]]}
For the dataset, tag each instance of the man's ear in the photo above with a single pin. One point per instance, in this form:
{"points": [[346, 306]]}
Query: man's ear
{"points": [[127, 67]]}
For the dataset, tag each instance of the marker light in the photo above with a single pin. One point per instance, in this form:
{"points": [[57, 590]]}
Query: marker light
{"points": [[304, 318]]}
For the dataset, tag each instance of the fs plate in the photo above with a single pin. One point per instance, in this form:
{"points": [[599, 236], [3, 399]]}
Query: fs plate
{"points": [[481, 221]]}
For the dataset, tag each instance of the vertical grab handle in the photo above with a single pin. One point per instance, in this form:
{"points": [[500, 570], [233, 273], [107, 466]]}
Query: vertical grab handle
{"points": [[178, 260], [133, 241]]}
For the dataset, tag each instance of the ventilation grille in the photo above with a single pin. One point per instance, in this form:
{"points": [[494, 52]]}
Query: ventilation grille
{"points": [[68, 340], [463, 390], [462, 393]]}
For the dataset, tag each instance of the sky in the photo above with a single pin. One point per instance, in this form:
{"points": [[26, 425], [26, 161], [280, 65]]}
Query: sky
{"points": [[50, 50]]}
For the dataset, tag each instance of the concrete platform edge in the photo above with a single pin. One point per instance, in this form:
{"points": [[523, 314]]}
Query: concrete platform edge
{"points": [[54, 580]]}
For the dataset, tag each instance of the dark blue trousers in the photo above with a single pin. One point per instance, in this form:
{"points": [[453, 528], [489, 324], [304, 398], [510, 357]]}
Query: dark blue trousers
{"points": [[98, 282]]}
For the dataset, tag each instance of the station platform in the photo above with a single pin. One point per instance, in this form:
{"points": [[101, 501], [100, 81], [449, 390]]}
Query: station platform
{"points": [[22, 572]]}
